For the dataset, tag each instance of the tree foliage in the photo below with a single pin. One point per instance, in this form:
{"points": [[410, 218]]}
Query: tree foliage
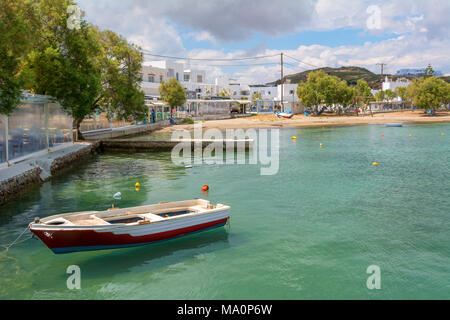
{"points": [[17, 21], [172, 93], [120, 64], [64, 63], [84, 68], [322, 90], [429, 93]]}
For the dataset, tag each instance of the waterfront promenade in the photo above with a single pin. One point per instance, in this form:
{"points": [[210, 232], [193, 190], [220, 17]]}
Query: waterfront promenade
{"points": [[271, 121]]}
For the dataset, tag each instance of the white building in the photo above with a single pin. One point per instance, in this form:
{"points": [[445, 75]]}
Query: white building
{"points": [[194, 81], [267, 92], [392, 85], [154, 72]]}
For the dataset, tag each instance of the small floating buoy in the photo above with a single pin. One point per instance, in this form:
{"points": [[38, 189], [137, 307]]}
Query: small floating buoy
{"points": [[375, 164], [137, 185], [410, 135], [382, 134], [117, 196], [321, 145], [205, 188], [294, 138], [442, 134]]}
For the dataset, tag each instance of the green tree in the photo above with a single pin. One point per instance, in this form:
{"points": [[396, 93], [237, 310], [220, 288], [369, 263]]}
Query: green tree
{"points": [[363, 95], [85, 69], [429, 71], [120, 64], [319, 91], [18, 19], [64, 63], [389, 94], [402, 92], [345, 95], [172, 93], [379, 96], [430, 93]]}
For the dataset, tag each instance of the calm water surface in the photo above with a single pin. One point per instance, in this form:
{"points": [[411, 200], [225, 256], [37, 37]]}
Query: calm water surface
{"points": [[308, 232]]}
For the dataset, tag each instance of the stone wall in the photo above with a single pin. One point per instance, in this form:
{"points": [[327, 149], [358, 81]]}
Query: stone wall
{"points": [[17, 185], [23, 176]]}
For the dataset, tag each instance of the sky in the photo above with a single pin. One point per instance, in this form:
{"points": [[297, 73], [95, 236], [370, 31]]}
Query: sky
{"points": [[318, 33]]}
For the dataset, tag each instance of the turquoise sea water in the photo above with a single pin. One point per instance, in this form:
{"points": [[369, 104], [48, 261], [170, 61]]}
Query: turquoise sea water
{"points": [[308, 232]]}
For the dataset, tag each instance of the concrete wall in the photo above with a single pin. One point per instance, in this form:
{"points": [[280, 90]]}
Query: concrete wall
{"points": [[125, 131], [16, 180]]}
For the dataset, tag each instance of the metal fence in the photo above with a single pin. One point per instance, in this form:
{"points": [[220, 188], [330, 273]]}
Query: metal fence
{"points": [[37, 124]]}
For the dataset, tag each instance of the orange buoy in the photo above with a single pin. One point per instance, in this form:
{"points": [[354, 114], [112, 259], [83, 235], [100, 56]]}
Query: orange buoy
{"points": [[205, 187], [382, 134]]}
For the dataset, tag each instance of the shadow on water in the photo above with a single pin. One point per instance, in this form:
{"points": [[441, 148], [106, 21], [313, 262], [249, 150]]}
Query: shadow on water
{"points": [[154, 256]]}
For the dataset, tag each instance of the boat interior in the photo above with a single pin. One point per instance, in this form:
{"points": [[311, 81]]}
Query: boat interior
{"points": [[132, 216]]}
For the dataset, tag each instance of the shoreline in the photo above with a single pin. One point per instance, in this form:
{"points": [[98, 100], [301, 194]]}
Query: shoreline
{"points": [[301, 121]]}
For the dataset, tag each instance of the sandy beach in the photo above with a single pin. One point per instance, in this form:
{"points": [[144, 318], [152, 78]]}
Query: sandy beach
{"points": [[271, 121]]}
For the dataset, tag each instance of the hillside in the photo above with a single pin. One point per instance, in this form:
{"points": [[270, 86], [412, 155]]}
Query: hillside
{"points": [[349, 74], [446, 78]]}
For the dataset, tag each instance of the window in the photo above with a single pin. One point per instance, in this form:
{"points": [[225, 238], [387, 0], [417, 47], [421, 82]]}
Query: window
{"points": [[151, 78], [199, 78], [160, 78], [291, 92], [186, 77], [177, 77]]}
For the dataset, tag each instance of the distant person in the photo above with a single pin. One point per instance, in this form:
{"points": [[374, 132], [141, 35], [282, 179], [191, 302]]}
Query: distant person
{"points": [[153, 115]]}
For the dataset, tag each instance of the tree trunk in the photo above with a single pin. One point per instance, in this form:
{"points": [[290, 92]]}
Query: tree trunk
{"points": [[76, 125]]}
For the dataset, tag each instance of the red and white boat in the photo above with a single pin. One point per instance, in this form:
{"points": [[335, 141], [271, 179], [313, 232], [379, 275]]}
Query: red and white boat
{"points": [[121, 228], [285, 115]]}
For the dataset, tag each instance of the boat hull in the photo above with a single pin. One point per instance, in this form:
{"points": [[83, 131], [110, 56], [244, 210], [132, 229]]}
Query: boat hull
{"points": [[285, 115], [67, 240]]}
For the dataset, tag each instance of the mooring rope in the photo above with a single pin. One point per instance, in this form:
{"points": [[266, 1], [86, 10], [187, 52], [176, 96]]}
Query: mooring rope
{"points": [[4, 252], [16, 241]]}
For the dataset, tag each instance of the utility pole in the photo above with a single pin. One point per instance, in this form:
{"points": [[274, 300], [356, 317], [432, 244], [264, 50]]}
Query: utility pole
{"points": [[282, 89], [382, 69]]}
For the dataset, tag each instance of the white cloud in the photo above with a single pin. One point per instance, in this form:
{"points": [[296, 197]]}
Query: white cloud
{"points": [[421, 28], [202, 36]]}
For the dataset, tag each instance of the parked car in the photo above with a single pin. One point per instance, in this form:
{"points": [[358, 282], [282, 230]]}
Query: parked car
{"points": [[235, 109]]}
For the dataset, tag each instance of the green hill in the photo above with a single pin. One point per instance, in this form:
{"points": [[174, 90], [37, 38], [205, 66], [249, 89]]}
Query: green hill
{"points": [[446, 78], [349, 74]]}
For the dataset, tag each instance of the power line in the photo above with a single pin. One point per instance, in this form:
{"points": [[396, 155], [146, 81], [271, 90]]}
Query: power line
{"points": [[207, 59], [309, 64], [235, 65]]}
